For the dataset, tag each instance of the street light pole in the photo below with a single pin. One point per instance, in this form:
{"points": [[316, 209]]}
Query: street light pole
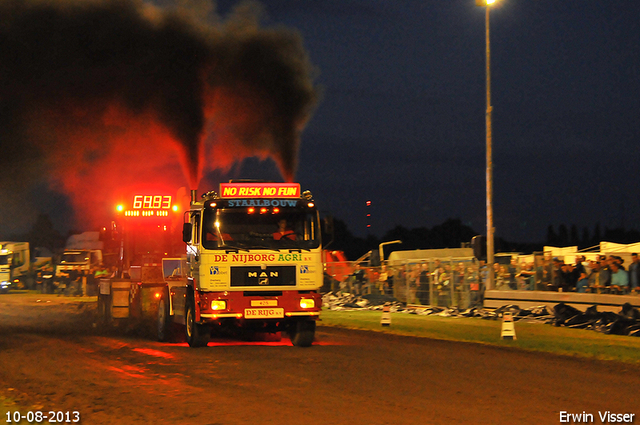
{"points": [[381, 251], [490, 228]]}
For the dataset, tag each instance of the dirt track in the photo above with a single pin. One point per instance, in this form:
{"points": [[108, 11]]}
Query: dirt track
{"points": [[54, 359]]}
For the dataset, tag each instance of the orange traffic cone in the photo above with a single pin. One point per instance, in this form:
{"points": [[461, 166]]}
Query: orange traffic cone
{"points": [[386, 315], [508, 330]]}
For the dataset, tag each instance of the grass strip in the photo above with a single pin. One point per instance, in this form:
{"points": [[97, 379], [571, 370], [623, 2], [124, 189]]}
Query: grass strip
{"points": [[530, 336]]}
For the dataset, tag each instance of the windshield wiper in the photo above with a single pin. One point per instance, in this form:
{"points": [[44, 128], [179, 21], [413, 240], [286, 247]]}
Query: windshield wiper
{"points": [[230, 248]]}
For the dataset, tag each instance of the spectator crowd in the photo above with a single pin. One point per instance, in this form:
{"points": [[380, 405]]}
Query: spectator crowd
{"points": [[461, 282]]}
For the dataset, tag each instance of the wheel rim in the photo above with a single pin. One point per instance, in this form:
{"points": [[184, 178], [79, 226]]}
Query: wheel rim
{"points": [[189, 322]]}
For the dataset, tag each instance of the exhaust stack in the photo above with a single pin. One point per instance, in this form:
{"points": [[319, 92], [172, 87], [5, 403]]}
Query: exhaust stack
{"points": [[194, 196]]}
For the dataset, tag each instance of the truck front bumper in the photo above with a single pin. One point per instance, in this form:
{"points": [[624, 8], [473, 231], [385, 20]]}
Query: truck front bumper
{"points": [[240, 305]]}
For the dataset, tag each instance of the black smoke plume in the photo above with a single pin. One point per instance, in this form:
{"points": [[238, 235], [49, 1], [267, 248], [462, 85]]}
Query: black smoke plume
{"points": [[98, 95]]}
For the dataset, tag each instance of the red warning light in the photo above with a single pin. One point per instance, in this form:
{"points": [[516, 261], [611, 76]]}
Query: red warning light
{"points": [[368, 203]]}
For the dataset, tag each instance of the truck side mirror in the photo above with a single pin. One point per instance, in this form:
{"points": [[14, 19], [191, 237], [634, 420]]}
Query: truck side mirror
{"points": [[108, 233], [187, 230]]}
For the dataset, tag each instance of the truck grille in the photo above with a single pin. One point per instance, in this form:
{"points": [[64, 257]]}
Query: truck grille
{"points": [[259, 277]]}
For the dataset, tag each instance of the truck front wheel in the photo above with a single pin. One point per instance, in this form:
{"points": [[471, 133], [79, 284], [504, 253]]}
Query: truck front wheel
{"points": [[163, 321], [302, 333], [197, 335]]}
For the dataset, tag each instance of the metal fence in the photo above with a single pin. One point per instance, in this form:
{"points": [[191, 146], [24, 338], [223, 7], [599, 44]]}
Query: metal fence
{"points": [[450, 282], [460, 281]]}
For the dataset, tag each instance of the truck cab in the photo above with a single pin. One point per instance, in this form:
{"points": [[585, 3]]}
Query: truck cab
{"points": [[5, 270], [15, 266], [254, 262], [79, 260]]}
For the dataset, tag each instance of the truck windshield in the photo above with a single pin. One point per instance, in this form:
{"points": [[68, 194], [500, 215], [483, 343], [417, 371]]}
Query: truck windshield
{"points": [[74, 257], [4, 260], [236, 228]]}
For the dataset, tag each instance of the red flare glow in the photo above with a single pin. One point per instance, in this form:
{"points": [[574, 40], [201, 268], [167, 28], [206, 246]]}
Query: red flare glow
{"points": [[148, 98]]}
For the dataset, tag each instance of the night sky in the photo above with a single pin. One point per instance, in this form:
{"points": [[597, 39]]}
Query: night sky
{"points": [[401, 115], [402, 119]]}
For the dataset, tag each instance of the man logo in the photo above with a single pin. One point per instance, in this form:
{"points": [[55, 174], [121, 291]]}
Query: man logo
{"points": [[262, 274], [304, 269], [214, 270]]}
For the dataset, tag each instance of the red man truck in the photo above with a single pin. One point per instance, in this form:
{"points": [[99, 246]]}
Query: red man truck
{"points": [[252, 263]]}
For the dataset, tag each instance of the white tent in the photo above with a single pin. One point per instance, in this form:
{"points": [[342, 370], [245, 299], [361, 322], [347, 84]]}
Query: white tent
{"points": [[418, 255]]}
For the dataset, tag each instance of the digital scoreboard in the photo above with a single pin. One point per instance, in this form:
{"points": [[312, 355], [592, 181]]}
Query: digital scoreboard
{"points": [[148, 206]]}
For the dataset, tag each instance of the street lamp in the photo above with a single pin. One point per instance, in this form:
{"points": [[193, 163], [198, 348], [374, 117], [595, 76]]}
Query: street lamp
{"points": [[382, 251], [490, 277]]}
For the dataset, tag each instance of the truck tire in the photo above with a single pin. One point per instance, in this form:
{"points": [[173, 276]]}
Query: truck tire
{"points": [[197, 335], [104, 310], [302, 333], [164, 322]]}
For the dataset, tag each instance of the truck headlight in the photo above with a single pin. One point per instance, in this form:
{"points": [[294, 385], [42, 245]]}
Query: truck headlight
{"points": [[307, 303], [218, 305]]}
